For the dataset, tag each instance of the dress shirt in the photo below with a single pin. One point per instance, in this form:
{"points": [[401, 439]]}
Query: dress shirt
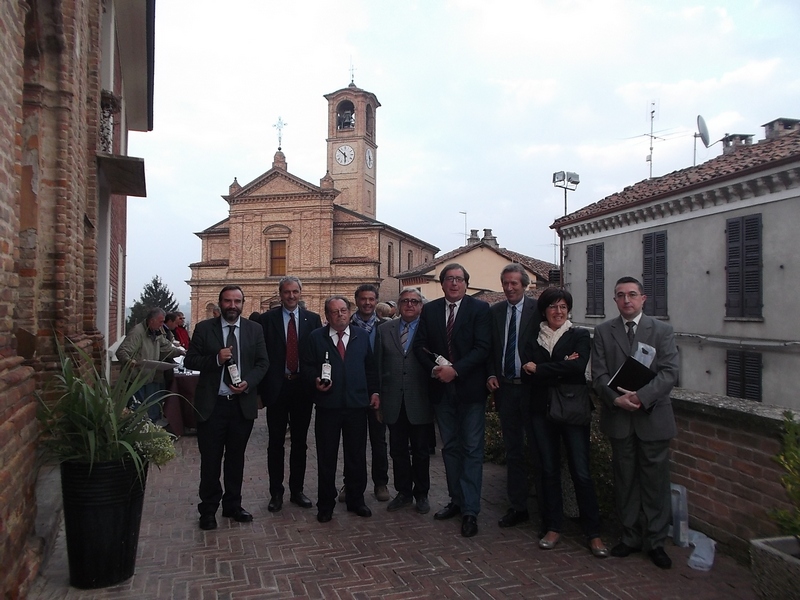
{"points": [[447, 304], [635, 319], [335, 336], [517, 362], [412, 328], [224, 390]]}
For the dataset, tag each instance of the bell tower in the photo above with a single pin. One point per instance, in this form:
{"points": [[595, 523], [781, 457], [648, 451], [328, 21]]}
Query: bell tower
{"points": [[352, 150]]}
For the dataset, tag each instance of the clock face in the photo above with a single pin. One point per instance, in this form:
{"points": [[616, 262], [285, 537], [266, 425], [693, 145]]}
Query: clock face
{"points": [[345, 155], [369, 158]]}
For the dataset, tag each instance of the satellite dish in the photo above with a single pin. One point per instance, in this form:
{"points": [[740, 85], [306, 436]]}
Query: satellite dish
{"points": [[702, 130]]}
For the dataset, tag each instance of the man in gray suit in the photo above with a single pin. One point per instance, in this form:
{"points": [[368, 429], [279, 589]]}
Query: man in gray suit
{"points": [[405, 405], [639, 423], [514, 322]]}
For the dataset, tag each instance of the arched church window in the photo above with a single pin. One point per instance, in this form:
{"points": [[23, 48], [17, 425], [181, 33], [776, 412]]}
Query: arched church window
{"points": [[346, 115]]}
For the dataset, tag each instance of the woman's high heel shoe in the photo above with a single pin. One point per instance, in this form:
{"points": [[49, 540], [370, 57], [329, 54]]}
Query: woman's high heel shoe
{"points": [[598, 548], [549, 541]]}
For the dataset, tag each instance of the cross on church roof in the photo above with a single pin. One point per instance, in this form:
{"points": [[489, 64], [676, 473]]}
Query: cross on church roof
{"points": [[279, 126], [352, 73]]}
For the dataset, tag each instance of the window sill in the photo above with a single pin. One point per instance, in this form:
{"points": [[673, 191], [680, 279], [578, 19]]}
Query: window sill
{"points": [[744, 319]]}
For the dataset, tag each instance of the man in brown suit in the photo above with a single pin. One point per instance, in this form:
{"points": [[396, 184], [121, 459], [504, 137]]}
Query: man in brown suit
{"points": [[405, 406]]}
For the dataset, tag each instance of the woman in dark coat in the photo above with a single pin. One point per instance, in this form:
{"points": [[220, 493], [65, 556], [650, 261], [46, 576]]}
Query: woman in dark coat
{"points": [[560, 354]]}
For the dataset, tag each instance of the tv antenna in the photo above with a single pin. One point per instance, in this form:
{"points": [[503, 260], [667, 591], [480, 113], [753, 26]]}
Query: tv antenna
{"points": [[649, 157], [702, 133], [463, 212]]}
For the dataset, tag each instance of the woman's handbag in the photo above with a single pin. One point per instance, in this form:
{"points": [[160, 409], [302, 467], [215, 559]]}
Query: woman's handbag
{"points": [[569, 403]]}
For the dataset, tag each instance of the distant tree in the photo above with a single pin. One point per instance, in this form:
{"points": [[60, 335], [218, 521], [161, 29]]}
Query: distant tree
{"points": [[154, 294]]}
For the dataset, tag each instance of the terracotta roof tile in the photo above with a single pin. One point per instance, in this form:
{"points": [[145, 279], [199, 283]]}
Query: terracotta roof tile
{"points": [[739, 162]]}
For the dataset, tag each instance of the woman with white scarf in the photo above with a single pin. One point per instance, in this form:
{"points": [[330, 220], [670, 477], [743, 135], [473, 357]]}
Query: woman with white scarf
{"points": [[559, 356]]}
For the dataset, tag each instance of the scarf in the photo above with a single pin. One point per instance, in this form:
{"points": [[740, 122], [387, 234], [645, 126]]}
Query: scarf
{"points": [[549, 338], [365, 325]]}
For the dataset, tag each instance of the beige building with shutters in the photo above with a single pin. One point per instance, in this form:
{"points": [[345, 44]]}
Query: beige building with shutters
{"points": [[716, 247]]}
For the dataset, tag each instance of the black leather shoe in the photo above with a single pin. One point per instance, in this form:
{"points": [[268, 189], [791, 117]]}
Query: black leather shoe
{"points": [[239, 515], [469, 525], [622, 550], [660, 558], [275, 504], [361, 511], [324, 516], [208, 522], [300, 499], [448, 512], [514, 517]]}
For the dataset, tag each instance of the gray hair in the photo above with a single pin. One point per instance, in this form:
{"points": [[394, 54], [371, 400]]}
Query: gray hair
{"points": [[412, 290], [153, 313], [289, 279], [517, 268]]}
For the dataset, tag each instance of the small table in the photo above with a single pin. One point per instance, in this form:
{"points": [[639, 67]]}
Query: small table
{"points": [[180, 412]]}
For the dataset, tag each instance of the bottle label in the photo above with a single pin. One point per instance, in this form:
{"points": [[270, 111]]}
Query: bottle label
{"points": [[233, 371], [325, 375], [442, 361]]}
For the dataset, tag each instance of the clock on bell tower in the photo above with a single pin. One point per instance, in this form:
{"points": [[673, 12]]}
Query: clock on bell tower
{"points": [[352, 150]]}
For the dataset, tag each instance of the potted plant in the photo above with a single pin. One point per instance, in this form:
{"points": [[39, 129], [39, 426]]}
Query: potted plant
{"points": [[104, 445], [776, 561]]}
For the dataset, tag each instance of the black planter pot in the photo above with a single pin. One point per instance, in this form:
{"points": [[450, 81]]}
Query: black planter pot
{"points": [[102, 515]]}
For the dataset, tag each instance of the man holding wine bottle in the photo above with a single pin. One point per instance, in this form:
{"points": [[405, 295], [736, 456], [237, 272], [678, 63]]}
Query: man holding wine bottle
{"points": [[232, 358], [338, 362]]}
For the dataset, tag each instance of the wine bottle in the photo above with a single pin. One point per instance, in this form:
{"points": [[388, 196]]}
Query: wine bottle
{"points": [[325, 375], [233, 371], [438, 358]]}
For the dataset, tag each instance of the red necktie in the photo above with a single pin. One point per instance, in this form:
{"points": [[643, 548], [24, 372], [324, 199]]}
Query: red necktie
{"points": [[291, 345], [340, 344]]}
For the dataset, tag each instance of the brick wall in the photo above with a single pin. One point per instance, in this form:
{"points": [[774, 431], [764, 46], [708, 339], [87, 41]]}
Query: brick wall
{"points": [[49, 105], [19, 555], [723, 454]]}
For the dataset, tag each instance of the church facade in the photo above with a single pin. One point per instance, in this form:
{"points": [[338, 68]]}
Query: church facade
{"points": [[325, 234]]}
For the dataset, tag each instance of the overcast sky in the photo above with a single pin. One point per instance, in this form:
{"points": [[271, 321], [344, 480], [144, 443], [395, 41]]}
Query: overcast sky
{"points": [[481, 101]]}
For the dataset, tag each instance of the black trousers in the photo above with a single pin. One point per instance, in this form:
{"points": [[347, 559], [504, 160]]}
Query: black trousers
{"points": [[380, 456], [223, 436], [351, 425], [411, 468], [292, 408]]}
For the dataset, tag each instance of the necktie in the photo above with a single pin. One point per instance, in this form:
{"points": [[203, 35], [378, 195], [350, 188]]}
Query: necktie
{"points": [[631, 333], [450, 320], [291, 345], [404, 336], [231, 343], [510, 367], [340, 344]]}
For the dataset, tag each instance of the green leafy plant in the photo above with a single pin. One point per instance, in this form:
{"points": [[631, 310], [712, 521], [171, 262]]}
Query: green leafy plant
{"points": [[788, 520], [86, 418]]}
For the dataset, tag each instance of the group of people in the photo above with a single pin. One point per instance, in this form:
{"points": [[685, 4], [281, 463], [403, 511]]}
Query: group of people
{"points": [[363, 373]]}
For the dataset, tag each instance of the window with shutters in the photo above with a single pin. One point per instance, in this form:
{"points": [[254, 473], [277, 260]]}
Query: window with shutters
{"points": [[594, 280], [744, 375], [277, 258], [654, 273], [390, 260], [743, 267]]}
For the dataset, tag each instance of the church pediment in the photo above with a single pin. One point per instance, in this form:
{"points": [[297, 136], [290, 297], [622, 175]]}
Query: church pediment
{"points": [[275, 183]]}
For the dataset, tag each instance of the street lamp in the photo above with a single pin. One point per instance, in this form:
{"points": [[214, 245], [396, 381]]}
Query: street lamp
{"points": [[569, 181]]}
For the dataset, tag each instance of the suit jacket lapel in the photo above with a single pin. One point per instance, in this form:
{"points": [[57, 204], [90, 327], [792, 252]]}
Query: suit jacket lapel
{"points": [[620, 335], [528, 313], [394, 332], [218, 331]]}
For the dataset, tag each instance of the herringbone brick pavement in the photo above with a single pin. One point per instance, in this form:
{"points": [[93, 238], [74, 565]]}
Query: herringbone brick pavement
{"points": [[398, 556]]}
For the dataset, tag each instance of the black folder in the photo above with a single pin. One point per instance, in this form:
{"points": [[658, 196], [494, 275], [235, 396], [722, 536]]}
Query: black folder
{"points": [[631, 376]]}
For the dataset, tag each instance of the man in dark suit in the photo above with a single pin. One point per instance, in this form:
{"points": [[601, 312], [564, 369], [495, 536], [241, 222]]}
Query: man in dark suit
{"points": [[226, 411], [341, 404], [365, 317], [288, 401], [639, 423], [514, 323], [405, 405], [458, 328]]}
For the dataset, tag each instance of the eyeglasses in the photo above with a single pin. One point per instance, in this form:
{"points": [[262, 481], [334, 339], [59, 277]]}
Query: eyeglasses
{"points": [[451, 279], [561, 307], [411, 301], [630, 295], [341, 311]]}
